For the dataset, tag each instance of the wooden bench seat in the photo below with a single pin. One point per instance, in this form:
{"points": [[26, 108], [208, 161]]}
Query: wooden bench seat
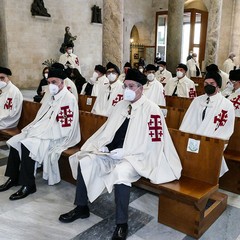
{"points": [[192, 203], [230, 181], [29, 112]]}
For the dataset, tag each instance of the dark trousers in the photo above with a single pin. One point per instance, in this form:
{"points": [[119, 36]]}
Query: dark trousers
{"points": [[122, 195], [20, 170]]}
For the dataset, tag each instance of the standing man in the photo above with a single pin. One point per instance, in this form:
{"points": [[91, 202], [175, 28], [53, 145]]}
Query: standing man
{"points": [[193, 67], [153, 89], [110, 94], [234, 97], [10, 101], [134, 142], [229, 63], [181, 85], [55, 128], [210, 114], [68, 59]]}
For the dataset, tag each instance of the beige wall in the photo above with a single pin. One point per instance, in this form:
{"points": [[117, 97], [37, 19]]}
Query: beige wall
{"points": [[31, 40]]}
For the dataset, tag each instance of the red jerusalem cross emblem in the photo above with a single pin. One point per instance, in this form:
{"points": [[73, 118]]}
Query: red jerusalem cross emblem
{"points": [[8, 104], [192, 93], [77, 61], [155, 128], [65, 116], [118, 98], [236, 102], [221, 119]]}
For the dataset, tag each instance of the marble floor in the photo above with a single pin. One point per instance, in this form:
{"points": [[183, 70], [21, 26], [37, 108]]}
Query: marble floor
{"points": [[36, 217]]}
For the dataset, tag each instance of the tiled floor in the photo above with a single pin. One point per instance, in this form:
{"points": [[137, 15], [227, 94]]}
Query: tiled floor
{"points": [[36, 217]]}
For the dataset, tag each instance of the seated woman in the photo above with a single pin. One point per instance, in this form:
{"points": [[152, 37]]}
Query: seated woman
{"points": [[43, 82]]}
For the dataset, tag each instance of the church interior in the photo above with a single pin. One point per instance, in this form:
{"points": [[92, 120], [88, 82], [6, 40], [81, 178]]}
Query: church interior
{"points": [[116, 31]]}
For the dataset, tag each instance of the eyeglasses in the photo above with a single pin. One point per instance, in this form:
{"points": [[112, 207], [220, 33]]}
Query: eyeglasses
{"points": [[108, 72], [130, 86]]}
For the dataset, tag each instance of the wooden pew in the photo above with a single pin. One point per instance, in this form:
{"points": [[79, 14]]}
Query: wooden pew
{"points": [[174, 116], [29, 111], [86, 102], [192, 203], [230, 181], [199, 84], [89, 124], [178, 102]]}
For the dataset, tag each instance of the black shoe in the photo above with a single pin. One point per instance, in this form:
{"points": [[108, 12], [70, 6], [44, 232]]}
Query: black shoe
{"points": [[8, 184], [23, 192], [78, 212], [120, 232]]}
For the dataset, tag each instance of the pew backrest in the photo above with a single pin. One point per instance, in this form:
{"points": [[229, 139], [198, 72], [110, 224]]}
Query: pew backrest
{"points": [[178, 102], [86, 102], [203, 165]]}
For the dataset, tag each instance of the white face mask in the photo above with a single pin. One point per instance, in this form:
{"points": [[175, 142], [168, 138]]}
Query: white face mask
{"points": [[95, 75], [150, 76], [2, 84], [53, 89], [69, 51], [179, 74], [129, 95], [46, 75], [141, 70], [161, 69], [111, 77]]}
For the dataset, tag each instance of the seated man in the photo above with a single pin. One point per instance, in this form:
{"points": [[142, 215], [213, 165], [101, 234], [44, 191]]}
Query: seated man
{"points": [[134, 142], [109, 94], [180, 85], [10, 101], [55, 128], [234, 97], [210, 114], [95, 83], [153, 89], [67, 82]]}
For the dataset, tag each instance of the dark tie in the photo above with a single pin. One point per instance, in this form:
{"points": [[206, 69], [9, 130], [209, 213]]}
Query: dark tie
{"points": [[129, 109], [175, 90], [109, 92], [204, 111], [197, 71]]}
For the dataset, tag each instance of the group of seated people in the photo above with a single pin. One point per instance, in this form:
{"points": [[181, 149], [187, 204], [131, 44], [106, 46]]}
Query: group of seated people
{"points": [[134, 141]]}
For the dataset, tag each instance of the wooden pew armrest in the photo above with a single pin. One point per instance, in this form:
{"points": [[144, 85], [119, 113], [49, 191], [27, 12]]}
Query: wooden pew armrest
{"points": [[9, 132], [232, 155]]}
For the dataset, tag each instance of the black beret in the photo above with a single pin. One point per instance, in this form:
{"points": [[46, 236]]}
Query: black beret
{"points": [[150, 67], [183, 66], [128, 64], [57, 73], [212, 68], [100, 68], [6, 71], [234, 75], [136, 75], [69, 45], [216, 76], [162, 63], [111, 65], [58, 65]]}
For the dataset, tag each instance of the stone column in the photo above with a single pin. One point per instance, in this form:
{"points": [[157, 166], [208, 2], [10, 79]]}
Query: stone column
{"points": [[113, 32], [235, 45], [213, 31], [174, 33]]}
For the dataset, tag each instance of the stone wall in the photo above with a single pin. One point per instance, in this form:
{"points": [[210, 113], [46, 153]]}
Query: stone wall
{"points": [[32, 40]]}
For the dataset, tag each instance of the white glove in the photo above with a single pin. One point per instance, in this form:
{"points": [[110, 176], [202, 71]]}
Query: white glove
{"points": [[117, 153], [103, 149]]}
